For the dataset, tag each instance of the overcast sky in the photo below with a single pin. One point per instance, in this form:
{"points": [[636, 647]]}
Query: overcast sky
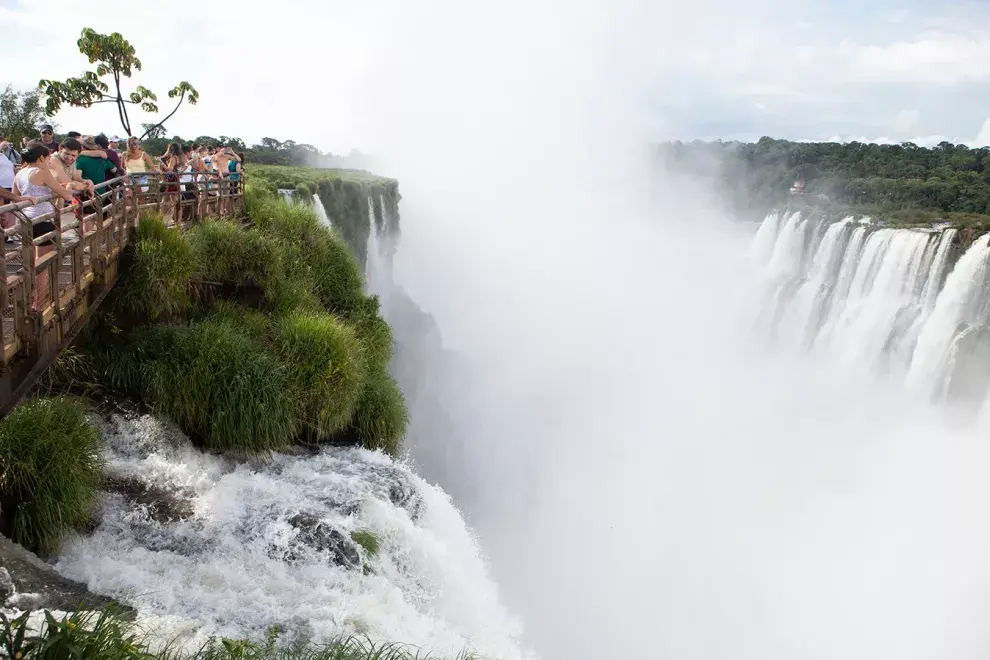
{"points": [[311, 71]]}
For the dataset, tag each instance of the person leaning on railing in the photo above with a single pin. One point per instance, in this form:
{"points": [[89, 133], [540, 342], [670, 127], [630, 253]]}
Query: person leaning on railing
{"points": [[35, 179], [138, 163]]}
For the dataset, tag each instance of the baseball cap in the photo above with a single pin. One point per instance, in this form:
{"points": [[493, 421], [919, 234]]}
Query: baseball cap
{"points": [[114, 138], [46, 128]]}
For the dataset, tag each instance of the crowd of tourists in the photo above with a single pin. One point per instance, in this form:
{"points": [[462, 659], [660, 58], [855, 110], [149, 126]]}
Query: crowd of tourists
{"points": [[61, 178]]}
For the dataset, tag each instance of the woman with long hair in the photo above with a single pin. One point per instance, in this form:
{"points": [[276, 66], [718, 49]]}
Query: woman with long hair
{"points": [[35, 179], [138, 163]]}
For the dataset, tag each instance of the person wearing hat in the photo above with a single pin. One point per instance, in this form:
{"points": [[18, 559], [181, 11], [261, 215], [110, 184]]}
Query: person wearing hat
{"points": [[94, 168], [48, 137]]}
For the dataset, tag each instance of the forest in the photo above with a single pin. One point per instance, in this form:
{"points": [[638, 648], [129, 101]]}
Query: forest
{"points": [[904, 182]]}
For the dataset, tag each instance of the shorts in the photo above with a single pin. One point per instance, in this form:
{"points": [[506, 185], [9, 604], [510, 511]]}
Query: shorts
{"points": [[41, 229]]}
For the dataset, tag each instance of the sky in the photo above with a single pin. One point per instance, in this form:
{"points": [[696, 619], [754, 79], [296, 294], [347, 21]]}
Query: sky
{"points": [[885, 71]]}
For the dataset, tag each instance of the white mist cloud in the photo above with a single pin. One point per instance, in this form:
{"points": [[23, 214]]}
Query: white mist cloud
{"points": [[643, 484]]}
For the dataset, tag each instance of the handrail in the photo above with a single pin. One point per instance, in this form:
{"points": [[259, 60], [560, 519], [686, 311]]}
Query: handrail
{"points": [[52, 282]]}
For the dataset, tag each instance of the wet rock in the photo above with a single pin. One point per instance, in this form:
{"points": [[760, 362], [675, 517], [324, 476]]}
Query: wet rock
{"points": [[26, 582], [324, 537], [161, 505]]}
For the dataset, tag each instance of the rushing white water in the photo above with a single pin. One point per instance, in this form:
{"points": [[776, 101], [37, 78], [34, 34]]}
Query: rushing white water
{"points": [[873, 297], [321, 212], [287, 194], [962, 302], [270, 544]]}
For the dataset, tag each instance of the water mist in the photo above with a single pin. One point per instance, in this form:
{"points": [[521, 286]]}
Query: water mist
{"points": [[643, 482]]}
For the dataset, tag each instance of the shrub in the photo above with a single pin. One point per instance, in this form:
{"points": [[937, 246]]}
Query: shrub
{"points": [[155, 282], [375, 334], [222, 387], [320, 258], [227, 254], [325, 371], [50, 457], [381, 416]]}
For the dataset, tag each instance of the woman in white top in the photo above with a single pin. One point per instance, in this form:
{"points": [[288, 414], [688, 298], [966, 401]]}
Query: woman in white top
{"points": [[36, 180]]}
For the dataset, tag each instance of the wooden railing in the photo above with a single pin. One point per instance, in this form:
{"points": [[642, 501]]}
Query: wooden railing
{"points": [[53, 283]]}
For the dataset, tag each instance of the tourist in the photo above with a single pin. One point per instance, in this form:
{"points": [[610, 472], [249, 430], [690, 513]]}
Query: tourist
{"points": [[137, 163], [48, 138], [63, 166], [115, 144], [75, 135], [35, 179], [108, 147], [7, 149], [94, 168]]}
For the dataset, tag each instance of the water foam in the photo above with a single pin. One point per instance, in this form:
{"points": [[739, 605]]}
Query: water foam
{"points": [[242, 562]]}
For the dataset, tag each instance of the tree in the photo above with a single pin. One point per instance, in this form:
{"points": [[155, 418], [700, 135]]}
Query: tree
{"points": [[115, 58], [153, 130], [20, 114]]}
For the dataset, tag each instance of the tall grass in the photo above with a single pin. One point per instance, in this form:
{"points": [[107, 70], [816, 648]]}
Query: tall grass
{"points": [[325, 371], [106, 636], [381, 416], [158, 268], [222, 387], [50, 458], [227, 254]]}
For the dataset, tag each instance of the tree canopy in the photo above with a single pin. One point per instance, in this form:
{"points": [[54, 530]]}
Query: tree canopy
{"points": [[20, 114], [945, 179], [115, 59]]}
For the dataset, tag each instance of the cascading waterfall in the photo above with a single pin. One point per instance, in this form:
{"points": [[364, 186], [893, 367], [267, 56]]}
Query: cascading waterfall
{"points": [[287, 194], [872, 297], [961, 303], [231, 549], [378, 271], [321, 212]]}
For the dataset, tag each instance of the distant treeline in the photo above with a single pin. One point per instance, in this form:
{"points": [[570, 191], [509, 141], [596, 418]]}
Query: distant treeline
{"points": [[268, 152], [905, 178]]}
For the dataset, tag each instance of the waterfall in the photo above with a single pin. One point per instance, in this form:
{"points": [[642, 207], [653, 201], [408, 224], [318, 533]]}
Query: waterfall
{"points": [[378, 265], [872, 297], [961, 302], [287, 194], [231, 549], [321, 212]]}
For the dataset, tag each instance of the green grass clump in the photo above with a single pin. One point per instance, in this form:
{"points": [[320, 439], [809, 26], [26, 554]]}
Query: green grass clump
{"points": [[50, 457], [156, 281], [366, 540], [107, 636], [321, 258], [324, 369], [375, 334], [227, 254], [221, 386], [381, 416]]}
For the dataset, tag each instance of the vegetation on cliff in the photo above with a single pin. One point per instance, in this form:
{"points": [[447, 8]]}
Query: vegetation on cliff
{"points": [[107, 636], [260, 337], [345, 194], [52, 468], [900, 182]]}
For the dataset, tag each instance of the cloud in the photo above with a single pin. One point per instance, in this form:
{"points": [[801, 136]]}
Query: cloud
{"points": [[939, 58]]}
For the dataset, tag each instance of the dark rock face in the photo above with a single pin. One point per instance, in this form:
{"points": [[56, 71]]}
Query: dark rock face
{"points": [[27, 583], [161, 505], [326, 538]]}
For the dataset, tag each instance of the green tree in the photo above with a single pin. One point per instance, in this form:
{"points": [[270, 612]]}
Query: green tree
{"points": [[20, 114], [115, 59]]}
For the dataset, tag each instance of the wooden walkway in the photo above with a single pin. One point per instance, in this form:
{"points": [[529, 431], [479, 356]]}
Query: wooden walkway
{"points": [[49, 293]]}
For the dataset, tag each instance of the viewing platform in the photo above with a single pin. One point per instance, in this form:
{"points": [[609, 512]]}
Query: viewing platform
{"points": [[47, 298]]}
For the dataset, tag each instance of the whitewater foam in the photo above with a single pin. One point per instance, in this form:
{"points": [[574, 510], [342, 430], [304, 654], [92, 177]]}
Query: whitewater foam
{"points": [[243, 561]]}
